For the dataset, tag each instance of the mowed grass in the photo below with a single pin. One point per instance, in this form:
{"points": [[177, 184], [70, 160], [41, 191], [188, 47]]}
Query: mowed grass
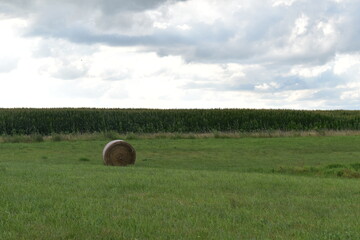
{"points": [[208, 188]]}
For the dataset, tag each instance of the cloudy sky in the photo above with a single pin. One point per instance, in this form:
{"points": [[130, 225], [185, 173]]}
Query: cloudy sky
{"points": [[297, 54]]}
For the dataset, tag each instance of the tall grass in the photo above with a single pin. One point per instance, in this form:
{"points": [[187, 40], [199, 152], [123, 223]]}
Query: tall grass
{"points": [[111, 135], [55, 121]]}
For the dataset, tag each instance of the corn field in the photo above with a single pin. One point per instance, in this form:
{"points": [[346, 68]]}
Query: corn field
{"points": [[88, 120]]}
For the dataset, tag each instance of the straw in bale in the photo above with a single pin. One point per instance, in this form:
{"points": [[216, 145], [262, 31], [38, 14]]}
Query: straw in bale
{"points": [[119, 153]]}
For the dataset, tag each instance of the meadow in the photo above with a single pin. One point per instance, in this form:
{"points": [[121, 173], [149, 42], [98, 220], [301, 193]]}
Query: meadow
{"points": [[183, 188]]}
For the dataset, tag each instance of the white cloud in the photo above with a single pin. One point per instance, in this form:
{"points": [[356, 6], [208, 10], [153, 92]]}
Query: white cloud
{"points": [[344, 63], [267, 86], [283, 2], [309, 72], [11, 47], [171, 54], [7, 64], [301, 25]]}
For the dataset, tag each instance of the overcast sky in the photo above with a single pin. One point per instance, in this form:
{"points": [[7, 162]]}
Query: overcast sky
{"points": [[297, 54]]}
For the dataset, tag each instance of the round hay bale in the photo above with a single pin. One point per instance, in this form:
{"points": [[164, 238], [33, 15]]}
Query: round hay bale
{"points": [[118, 153]]}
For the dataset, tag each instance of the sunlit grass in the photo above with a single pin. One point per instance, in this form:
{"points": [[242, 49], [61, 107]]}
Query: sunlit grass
{"points": [[198, 188]]}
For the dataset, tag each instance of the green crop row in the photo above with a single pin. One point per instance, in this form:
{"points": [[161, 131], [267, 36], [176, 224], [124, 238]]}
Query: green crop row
{"points": [[85, 120]]}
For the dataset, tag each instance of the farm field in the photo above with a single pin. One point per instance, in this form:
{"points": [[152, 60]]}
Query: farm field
{"points": [[88, 120], [210, 188]]}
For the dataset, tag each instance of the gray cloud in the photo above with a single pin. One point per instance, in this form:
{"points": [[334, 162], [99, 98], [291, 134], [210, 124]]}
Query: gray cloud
{"points": [[112, 22], [61, 49], [267, 80], [70, 71], [106, 6], [258, 32], [275, 39], [350, 29], [332, 99], [164, 40]]}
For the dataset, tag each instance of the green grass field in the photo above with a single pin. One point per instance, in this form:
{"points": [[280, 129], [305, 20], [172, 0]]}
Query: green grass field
{"points": [[210, 188]]}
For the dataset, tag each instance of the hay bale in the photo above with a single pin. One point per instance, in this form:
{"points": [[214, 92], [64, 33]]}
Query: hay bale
{"points": [[119, 153]]}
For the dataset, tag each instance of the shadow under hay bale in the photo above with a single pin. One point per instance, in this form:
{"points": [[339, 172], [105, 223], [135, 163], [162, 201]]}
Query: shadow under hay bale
{"points": [[119, 153]]}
